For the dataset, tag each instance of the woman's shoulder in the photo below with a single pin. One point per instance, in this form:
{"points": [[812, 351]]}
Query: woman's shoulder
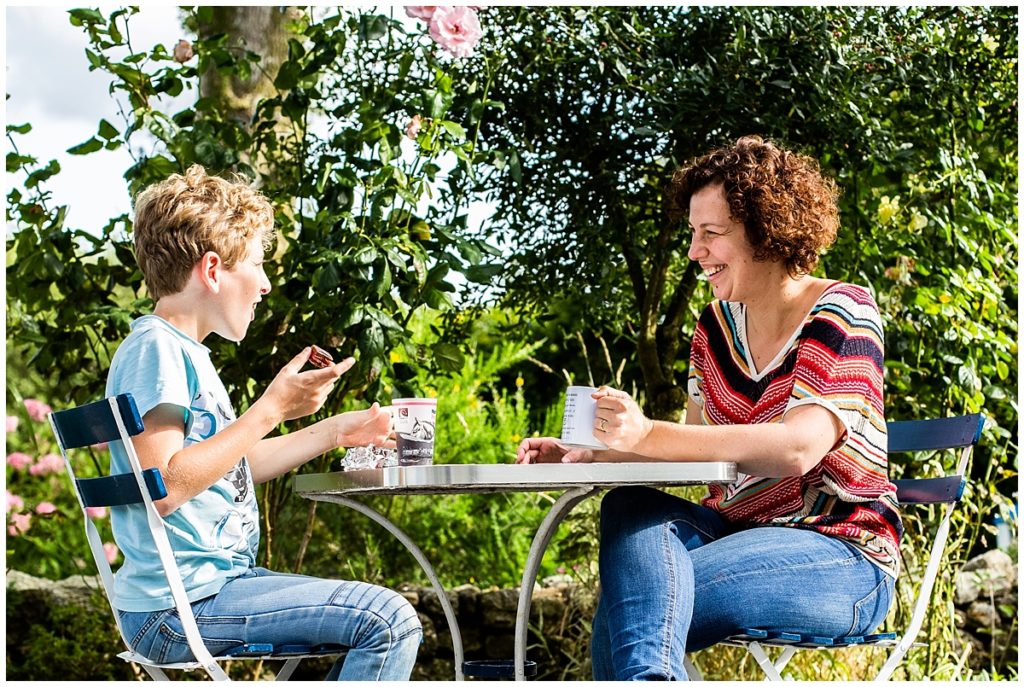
{"points": [[852, 298], [850, 308]]}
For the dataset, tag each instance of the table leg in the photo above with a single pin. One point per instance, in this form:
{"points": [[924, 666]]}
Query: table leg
{"points": [[561, 507], [449, 613]]}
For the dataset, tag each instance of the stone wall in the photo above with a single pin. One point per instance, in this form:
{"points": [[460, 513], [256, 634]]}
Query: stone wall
{"points": [[985, 603], [985, 606]]}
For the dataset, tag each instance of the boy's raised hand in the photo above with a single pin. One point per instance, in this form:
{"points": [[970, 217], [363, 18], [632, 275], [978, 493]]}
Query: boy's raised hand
{"points": [[294, 394]]}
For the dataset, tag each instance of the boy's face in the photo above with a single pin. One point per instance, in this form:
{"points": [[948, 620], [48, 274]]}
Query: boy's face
{"points": [[245, 284]]}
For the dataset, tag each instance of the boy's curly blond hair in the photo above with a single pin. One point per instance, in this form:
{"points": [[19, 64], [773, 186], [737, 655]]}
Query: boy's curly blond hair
{"points": [[180, 219]]}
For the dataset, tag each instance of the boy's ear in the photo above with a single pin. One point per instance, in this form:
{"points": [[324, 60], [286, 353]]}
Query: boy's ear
{"points": [[209, 269]]}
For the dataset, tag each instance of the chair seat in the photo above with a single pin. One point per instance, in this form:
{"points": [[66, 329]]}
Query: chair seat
{"points": [[806, 641], [246, 651]]}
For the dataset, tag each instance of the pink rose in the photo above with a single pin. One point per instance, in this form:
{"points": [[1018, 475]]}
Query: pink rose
{"points": [[12, 423], [20, 522], [456, 29], [412, 129], [423, 12], [183, 51], [14, 502], [37, 410], [46, 508], [18, 460], [96, 512], [112, 551], [46, 465]]}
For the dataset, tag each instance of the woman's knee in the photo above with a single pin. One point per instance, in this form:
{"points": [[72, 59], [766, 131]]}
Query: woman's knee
{"points": [[630, 503]]}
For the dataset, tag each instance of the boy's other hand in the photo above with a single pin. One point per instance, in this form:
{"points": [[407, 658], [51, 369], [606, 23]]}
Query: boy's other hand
{"points": [[294, 394], [364, 427]]}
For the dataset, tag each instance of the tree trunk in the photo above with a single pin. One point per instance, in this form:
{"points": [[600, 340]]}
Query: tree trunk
{"points": [[262, 30]]}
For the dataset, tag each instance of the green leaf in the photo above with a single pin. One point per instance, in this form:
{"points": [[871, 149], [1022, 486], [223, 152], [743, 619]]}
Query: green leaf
{"points": [[448, 356], [90, 146], [85, 16], [107, 130], [455, 129]]}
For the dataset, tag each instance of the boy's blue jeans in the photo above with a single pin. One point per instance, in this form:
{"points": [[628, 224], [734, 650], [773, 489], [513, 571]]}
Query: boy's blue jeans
{"points": [[677, 577], [378, 625]]}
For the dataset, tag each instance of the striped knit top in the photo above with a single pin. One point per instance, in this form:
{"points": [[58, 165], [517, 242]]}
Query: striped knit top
{"points": [[833, 360]]}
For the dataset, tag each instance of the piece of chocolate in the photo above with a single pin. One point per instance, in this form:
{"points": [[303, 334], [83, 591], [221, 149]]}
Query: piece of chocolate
{"points": [[320, 357]]}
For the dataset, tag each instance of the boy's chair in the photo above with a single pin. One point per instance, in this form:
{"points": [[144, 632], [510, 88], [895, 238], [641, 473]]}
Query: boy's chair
{"points": [[117, 419], [961, 432]]}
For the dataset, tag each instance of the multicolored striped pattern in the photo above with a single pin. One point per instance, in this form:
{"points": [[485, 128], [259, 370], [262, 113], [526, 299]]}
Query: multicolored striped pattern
{"points": [[835, 360]]}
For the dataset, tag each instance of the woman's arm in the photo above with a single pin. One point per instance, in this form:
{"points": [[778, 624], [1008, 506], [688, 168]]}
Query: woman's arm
{"points": [[778, 449]]}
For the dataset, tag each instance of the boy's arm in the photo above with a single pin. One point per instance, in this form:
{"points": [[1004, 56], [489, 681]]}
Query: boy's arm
{"points": [[193, 469], [274, 457]]}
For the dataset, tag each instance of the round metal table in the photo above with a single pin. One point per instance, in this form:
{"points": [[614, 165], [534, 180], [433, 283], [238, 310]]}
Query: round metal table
{"points": [[576, 481]]}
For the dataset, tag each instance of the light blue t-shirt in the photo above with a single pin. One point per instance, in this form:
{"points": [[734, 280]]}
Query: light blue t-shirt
{"points": [[215, 535]]}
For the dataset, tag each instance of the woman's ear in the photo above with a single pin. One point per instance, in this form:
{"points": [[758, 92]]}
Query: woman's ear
{"points": [[209, 270]]}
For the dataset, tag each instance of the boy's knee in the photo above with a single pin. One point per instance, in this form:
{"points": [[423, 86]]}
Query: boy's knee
{"points": [[399, 616]]}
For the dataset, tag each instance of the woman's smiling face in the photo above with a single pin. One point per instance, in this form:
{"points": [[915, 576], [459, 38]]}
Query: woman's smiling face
{"points": [[721, 247]]}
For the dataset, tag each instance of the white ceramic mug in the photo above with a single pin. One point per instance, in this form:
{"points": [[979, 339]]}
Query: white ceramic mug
{"points": [[578, 418]]}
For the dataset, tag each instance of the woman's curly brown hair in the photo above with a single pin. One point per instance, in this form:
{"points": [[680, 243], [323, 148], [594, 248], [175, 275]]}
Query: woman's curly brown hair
{"points": [[789, 209]]}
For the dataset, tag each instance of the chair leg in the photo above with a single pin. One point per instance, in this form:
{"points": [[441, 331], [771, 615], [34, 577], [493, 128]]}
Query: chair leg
{"points": [[156, 673], [767, 667], [692, 671], [288, 668], [893, 662]]}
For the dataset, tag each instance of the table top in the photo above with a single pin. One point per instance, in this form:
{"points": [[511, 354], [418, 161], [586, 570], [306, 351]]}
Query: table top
{"points": [[470, 478]]}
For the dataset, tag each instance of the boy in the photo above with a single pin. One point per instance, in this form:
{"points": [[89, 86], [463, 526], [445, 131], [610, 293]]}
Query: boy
{"points": [[200, 242]]}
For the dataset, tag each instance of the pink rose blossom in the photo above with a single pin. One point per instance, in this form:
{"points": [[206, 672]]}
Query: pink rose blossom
{"points": [[96, 512], [183, 51], [20, 522], [46, 465], [14, 502], [423, 12], [12, 423], [37, 410], [412, 129], [112, 551], [46, 508], [19, 460], [456, 29]]}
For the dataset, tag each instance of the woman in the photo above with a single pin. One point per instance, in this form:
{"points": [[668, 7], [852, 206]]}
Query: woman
{"points": [[785, 380]]}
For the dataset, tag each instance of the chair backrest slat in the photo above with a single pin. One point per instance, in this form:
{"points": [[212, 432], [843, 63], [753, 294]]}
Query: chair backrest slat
{"points": [[120, 490], [94, 423], [928, 435], [930, 490]]}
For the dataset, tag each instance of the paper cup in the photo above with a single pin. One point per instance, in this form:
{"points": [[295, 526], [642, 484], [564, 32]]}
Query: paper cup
{"points": [[578, 418], [415, 425]]}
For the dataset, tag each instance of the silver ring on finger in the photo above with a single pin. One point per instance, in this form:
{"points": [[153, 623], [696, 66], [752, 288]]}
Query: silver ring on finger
{"points": [[604, 425]]}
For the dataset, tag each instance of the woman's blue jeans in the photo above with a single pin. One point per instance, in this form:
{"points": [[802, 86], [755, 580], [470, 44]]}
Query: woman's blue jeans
{"points": [[379, 626], [677, 577]]}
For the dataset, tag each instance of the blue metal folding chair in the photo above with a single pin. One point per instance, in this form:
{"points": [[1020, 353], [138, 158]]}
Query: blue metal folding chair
{"points": [[962, 432], [117, 419]]}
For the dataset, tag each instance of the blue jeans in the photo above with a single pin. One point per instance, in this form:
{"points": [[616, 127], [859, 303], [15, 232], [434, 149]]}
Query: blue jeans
{"points": [[677, 577], [378, 625]]}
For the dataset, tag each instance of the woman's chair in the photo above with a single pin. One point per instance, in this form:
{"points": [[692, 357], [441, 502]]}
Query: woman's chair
{"points": [[117, 419], [962, 432]]}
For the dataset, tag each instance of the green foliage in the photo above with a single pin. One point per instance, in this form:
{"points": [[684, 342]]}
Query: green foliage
{"points": [[48, 544], [475, 538], [61, 641]]}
